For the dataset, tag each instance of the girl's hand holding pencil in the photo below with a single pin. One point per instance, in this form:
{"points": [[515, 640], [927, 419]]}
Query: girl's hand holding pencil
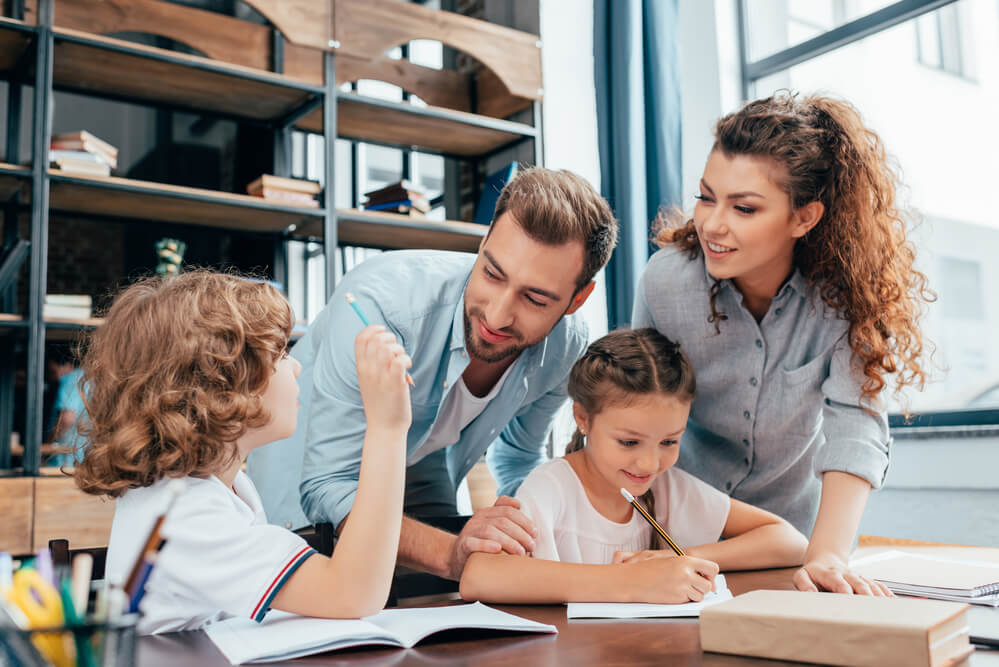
{"points": [[671, 579]]}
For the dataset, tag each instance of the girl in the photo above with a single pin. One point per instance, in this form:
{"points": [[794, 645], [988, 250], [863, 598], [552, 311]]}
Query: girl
{"points": [[793, 291], [186, 376], [631, 395]]}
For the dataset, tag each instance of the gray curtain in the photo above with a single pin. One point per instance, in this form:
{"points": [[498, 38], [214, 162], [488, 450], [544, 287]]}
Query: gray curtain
{"points": [[638, 120]]}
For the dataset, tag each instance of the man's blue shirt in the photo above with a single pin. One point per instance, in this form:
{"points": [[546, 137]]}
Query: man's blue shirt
{"points": [[419, 296]]}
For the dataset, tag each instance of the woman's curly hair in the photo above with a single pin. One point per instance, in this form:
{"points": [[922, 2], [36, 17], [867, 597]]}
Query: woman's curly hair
{"points": [[174, 377], [858, 255]]}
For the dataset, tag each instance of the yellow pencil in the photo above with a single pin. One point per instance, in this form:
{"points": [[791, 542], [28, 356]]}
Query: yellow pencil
{"points": [[655, 524]]}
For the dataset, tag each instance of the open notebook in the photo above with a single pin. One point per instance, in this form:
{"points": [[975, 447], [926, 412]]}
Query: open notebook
{"points": [[642, 610], [976, 582], [284, 636]]}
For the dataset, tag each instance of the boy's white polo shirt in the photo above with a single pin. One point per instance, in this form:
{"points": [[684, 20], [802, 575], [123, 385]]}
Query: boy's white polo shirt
{"points": [[221, 557]]}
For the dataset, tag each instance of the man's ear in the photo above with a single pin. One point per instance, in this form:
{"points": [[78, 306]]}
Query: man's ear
{"points": [[580, 298], [806, 217]]}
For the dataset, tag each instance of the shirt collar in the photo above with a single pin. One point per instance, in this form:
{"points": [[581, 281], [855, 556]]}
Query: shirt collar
{"points": [[796, 282]]}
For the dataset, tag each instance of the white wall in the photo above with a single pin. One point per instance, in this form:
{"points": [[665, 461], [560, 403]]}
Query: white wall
{"points": [[569, 111]]}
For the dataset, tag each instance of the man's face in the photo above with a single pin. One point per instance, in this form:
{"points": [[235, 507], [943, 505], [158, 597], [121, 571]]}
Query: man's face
{"points": [[518, 291]]}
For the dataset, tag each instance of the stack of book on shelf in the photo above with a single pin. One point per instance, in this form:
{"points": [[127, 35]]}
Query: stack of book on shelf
{"points": [[403, 197], [66, 307], [294, 191], [82, 153]]}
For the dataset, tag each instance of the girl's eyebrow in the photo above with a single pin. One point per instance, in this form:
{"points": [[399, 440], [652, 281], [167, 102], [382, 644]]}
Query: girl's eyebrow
{"points": [[628, 431]]}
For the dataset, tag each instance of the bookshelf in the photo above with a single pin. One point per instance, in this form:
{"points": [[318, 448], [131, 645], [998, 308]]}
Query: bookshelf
{"points": [[280, 76]]}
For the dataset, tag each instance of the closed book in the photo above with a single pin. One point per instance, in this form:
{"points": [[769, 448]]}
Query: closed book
{"points": [[414, 199], [78, 156], [79, 300], [85, 141], [81, 167], [837, 629], [931, 576], [53, 312], [282, 183], [402, 205], [398, 190], [287, 197]]}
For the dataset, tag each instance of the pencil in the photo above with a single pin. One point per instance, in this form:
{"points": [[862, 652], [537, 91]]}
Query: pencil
{"points": [[655, 524], [364, 320]]}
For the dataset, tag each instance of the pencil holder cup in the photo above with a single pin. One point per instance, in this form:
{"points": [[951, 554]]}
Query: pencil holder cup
{"points": [[108, 644]]}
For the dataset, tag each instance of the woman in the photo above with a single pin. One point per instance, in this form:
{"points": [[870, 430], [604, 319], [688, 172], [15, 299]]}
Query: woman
{"points": [[793, 292]]}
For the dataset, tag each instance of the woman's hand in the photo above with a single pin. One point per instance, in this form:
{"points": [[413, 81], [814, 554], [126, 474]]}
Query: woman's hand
{"points": [[829, 572]]}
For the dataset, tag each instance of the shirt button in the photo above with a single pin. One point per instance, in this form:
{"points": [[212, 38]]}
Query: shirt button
{"points": [[445, 384], [753, 381], [464, 354], [777, 312], [728, 486], [759, 343], [746, 461], [746, 414], [746, 443], [287, 525]]}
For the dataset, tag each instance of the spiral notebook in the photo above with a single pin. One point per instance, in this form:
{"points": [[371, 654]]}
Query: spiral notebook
{"points": [[937, 577]]}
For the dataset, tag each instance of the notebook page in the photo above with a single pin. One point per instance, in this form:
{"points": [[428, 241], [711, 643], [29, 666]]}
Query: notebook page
{"points": [[642, 610], [412, 625], [282, 636]]}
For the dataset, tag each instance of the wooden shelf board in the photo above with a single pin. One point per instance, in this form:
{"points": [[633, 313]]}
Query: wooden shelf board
{"points": [[15, 37], [144, 200], [391, 230], [430, 128], [12, 178], [112, 67]]}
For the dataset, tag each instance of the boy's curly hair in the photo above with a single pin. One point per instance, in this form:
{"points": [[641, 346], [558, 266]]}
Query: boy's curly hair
{"points": [[174, 377], [858, 256]]}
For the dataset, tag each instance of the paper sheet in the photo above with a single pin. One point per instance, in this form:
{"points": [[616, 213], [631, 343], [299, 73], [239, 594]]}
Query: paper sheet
{"points": [[641, 610]]}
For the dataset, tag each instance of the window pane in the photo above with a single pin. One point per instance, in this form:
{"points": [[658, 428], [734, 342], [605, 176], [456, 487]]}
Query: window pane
{"points": [[774, 25], [945, 143]]}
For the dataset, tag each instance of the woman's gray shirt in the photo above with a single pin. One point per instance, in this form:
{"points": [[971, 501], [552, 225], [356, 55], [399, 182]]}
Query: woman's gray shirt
{"points": [[777, 401]]}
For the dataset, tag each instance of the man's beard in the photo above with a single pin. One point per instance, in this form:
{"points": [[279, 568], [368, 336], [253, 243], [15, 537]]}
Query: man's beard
{"points": [[487, 352]]}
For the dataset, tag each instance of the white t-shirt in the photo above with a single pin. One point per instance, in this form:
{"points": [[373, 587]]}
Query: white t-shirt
{"points": [[221, 557], [572, 531], [459, 409]]}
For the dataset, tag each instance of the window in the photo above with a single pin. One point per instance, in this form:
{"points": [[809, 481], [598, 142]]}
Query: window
{"points": [[361, 167], [942, 131]]}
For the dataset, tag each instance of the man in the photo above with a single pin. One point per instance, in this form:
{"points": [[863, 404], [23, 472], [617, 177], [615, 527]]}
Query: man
{"points": [[492, 339]]}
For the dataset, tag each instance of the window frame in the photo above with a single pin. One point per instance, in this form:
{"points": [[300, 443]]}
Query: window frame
{"points": [[971, 421]]}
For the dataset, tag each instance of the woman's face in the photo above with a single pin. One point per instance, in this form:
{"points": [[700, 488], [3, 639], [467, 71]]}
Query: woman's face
{"points": [[745, 222]]}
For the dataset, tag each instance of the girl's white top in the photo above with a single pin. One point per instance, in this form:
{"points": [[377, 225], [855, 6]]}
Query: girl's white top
{"points": [[571, 530]]}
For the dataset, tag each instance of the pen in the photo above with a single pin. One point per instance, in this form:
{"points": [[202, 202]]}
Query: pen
{"points": [[655, 524], [364, 320]]}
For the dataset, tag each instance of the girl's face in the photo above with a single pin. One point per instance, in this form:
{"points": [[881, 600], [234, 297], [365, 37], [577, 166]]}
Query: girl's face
{"points": [[745, 222], [629, 445]]}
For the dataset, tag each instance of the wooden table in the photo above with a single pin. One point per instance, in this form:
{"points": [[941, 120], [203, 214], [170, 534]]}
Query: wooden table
{"points": [[580, 642]]}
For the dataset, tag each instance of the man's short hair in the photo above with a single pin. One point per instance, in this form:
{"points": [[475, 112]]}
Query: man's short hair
{"points": [[557, 207]]}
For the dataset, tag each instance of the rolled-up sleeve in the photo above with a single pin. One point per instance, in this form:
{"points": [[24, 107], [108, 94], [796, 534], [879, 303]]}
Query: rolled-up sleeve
{"points": [[336, 424], [856, 441]]}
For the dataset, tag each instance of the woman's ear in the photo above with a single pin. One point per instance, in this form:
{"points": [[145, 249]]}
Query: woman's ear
{"points": [[806, 217], [582, 419]]}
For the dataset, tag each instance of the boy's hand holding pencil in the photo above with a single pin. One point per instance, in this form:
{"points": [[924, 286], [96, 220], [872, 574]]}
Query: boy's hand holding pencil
{"points": [[381, 375]]}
